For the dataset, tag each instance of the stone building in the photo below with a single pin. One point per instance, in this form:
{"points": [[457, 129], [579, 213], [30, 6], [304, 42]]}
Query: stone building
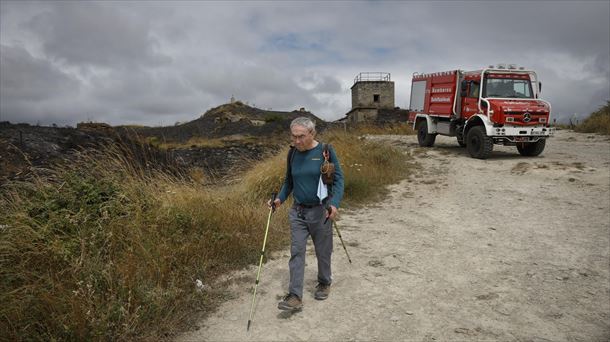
{"points": [[371, 92]]}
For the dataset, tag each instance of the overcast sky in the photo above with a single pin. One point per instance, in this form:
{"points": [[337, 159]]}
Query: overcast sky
{"points": [[156, 63]]}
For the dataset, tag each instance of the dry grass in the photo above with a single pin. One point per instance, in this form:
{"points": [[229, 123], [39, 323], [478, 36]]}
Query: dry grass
{"points": [[597, 122], [368, 166], [195, 142], [402, 128], [108, 248], [202, 142]]}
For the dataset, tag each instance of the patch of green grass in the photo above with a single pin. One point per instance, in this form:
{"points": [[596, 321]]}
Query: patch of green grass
{"points": [[154, 141], [273, 118]]}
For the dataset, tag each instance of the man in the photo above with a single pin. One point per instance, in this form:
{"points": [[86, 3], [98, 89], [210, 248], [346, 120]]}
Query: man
{"points": [[313, 211]]}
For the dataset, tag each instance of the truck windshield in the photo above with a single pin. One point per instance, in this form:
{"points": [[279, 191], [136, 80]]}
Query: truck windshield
{"points": [[507, 88]]}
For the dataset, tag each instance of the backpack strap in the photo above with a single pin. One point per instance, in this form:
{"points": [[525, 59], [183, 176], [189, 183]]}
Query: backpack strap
{"points": [[326, 155], [289, 159]]}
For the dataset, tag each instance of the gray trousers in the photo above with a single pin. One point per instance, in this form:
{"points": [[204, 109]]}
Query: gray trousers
{"points": [[303, 223]]}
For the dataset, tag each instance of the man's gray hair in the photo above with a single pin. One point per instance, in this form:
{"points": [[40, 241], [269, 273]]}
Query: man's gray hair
{"points": [[305, 122]]}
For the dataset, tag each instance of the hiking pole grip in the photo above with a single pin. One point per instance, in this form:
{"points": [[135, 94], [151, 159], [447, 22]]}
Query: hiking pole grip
{"points": [[273, 196]]}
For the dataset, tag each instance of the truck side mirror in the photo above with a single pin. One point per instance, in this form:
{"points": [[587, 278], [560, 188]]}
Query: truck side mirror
{"points": [[464, 88], [539, 87]]}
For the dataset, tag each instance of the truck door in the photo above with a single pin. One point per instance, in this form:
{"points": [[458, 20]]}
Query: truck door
{"points": [[470, 101]]}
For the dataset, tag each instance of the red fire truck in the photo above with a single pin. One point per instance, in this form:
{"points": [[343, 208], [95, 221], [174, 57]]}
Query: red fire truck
{"points": [[496, 105]]}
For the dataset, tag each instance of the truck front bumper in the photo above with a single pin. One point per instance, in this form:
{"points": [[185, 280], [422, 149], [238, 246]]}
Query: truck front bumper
{"points": [[515, 134]]}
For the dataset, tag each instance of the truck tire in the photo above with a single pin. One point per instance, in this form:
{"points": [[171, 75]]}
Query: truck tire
{"points": [[531, 149], [478, 144], [423, 137]]}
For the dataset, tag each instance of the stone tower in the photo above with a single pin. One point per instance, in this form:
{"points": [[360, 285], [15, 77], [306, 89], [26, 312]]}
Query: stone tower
{"points": [[371, 92]]}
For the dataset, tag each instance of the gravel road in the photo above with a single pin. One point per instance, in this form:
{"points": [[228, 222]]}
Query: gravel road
{"points": [[509, 248]]}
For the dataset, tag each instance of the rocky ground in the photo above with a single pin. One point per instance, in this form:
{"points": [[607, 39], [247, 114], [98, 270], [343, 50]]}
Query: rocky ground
{"points": [[509, 248]]}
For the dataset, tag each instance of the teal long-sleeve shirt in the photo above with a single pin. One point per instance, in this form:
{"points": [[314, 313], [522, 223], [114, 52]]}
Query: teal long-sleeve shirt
{"points": [[306, 175]]}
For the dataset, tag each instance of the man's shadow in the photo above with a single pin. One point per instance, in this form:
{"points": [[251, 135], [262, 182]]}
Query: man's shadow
{"points": [[288, 313]]}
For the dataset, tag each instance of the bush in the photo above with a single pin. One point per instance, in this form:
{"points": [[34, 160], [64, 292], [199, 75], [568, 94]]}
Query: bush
{"points": [[154, 141], [274, 118], [597, 122]]}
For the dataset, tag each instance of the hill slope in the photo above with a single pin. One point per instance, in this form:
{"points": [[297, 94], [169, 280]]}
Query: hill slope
{"points": [[229, 120], [23, 146]]}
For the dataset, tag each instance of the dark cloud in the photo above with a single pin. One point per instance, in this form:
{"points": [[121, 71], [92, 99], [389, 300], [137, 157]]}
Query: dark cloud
{"points": [[25, 77], [97, 34], [161, 62], [29, 87]]}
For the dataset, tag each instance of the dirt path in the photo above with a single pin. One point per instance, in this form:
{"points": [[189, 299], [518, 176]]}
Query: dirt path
{"points": [[509, 248]]}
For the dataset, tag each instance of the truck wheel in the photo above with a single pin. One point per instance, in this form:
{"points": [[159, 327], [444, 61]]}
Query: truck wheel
{"points": [[531, 149], [423, 138], [478, 144]]}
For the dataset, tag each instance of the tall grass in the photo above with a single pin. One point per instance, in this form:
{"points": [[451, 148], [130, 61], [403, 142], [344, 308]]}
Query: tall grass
{"points": [[202, 142], [104, 248], [597, 122], [368, 166], [398, 128]]}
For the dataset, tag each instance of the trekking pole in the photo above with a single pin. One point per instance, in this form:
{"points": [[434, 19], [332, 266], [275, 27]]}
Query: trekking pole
{"points": [[260, 263], [342, 243]]}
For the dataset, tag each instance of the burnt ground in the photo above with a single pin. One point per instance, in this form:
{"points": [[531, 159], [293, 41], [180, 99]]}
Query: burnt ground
{"points": [[220, 162], [254, 133], [25, 148], [247, 134]]}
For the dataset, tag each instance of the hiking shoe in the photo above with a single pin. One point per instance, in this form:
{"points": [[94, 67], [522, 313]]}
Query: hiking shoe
{"points": [[290, 303], [322, 291]]}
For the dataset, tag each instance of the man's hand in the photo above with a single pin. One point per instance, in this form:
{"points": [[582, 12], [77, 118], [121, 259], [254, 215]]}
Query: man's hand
{"points": [[331, 212], [277, 203]]}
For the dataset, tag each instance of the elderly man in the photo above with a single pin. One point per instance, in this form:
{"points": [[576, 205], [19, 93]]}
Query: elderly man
{"points": [[315, 206]]}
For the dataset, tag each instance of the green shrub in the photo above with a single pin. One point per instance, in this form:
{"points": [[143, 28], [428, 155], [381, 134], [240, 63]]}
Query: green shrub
{"points": [[273, 118], [154, 141]]}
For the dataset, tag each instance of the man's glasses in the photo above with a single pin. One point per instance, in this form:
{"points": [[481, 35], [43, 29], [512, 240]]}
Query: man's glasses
{"points": [[298, 137]]}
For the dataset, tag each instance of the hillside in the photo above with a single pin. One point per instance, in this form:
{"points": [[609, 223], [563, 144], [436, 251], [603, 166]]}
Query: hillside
{"points": [[244, 130], [229, 120]]}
